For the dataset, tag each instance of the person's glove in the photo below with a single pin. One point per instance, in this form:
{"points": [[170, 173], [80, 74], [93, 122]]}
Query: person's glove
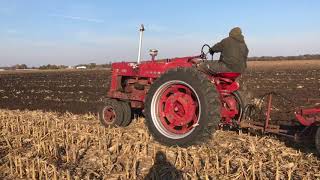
{"points": [[211, 51]]}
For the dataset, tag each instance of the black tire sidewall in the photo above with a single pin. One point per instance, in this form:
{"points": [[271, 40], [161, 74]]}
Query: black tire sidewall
{"points": [[126, 113], [239, 100]]}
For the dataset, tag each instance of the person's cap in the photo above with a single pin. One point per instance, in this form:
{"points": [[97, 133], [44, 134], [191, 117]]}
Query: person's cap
{"points": [[235, 31]]}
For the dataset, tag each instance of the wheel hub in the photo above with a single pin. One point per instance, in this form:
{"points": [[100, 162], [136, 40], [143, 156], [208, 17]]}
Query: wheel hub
{"points": [[178, 109], [109, 114]]}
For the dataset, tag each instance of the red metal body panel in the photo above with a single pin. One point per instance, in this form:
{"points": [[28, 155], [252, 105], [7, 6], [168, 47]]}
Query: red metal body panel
{"points": [[308, 117], [148, 70], [226, 84]]}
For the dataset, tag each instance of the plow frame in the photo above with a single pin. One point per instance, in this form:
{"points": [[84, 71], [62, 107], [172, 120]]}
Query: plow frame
{"points": [[307, 118]]}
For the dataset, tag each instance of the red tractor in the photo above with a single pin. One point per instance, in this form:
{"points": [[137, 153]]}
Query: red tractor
{"points": [[180, 102]]}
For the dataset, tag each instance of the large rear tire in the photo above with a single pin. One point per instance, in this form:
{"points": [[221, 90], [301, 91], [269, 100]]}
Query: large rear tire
{"points": [[110, 113], [317, 140], [181, 106]]}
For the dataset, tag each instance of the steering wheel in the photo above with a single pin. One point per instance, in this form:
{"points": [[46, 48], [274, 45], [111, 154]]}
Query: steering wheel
{"points": [[203, 54]]}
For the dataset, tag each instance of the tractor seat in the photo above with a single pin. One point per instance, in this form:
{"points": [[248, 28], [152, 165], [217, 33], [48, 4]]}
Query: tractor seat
{"points": [[229, 75]]}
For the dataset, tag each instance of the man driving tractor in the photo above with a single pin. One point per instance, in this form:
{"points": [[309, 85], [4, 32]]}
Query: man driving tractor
{"points": [[233, 57]]}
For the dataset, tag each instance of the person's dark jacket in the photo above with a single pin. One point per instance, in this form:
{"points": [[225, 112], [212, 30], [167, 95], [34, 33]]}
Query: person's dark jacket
{"points": [[234, 51]]}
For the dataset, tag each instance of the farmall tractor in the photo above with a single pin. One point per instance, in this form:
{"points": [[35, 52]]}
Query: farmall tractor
{"points": [[182, 103], [179, 101]]}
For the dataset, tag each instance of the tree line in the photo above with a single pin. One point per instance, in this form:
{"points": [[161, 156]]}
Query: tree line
{"points": [[279, 58], [53, 66]]}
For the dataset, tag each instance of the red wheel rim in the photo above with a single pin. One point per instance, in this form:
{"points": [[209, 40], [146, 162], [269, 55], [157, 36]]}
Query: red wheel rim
{"points": [[109, 115], [178, 109]]}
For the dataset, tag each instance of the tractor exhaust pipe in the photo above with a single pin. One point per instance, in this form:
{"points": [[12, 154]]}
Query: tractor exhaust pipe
{"points": [[140, 42]]}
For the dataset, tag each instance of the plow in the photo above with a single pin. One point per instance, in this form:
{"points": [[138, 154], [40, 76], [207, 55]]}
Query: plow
{"points": [[304, 127], [183, 104]]}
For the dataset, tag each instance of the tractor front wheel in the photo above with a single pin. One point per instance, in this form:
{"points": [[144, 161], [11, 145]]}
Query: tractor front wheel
{"points": [[127, 114], [180, 106], [110, 113]]}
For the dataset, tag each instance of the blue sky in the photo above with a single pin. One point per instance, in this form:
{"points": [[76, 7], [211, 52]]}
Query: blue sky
{"points": [[82, 31]]}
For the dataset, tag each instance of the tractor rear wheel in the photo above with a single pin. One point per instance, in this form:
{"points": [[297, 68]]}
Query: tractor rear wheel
{"points": [[110, 113], [181, 106], [317, 139]]}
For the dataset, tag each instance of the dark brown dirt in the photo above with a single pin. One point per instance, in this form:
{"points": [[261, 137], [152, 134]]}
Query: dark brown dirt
{"points": [[78, 91], [73, 91], [296, 80]]}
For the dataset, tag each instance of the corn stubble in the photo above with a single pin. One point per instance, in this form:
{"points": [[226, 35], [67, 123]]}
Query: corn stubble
{"points": [[38, 145]]}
